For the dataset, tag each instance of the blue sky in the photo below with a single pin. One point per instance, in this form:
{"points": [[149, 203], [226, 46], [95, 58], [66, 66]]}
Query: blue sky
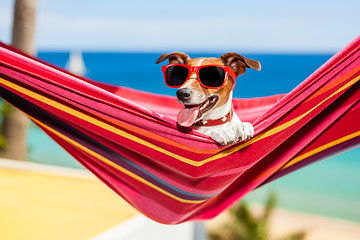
{"points": [[259, 26]]}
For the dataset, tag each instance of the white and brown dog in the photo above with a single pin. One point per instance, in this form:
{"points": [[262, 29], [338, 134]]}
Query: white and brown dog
{"points": [[205, 88]]}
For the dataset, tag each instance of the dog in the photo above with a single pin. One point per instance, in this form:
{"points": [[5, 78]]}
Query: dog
{"points": [[207, 98]]}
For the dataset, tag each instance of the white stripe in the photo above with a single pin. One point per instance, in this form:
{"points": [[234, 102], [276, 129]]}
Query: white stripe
{"points": [[140, 228], [123, 230], [43, 168]]}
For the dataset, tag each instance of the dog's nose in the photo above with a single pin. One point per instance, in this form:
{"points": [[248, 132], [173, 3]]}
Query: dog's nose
{"points": [[183, 94]]}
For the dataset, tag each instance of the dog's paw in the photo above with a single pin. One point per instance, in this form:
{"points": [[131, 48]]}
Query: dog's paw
{"points": [[246, 131], [232, 134]]}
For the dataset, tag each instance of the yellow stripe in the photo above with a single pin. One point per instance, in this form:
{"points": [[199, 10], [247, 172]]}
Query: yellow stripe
{"points": [[92, 120], [270, 171], [320, 149], [110, 163], [331, 86], [278, 129], [219, 155]]}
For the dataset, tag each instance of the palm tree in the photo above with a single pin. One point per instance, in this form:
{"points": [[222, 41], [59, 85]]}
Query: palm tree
{"points": [[15, 123], [245, 226]]}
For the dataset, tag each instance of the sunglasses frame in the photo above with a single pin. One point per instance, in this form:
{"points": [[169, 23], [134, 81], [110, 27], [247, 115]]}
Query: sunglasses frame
{"points": [[196, 69]]}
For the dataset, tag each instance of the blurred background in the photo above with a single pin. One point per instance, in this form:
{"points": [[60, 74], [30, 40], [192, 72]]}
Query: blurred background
{"points": [[260, 26], [119, 41]]}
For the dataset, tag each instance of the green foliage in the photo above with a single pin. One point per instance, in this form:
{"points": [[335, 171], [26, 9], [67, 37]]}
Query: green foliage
{"points": [[295, 236], [245, 226], [2, 141], [5, 109]]}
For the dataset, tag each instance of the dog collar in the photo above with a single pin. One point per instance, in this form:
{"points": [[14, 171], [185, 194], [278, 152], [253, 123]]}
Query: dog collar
{"points": [[216, 122]]}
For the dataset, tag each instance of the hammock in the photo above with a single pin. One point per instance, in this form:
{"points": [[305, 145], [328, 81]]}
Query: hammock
{"points": [[130, 140]]}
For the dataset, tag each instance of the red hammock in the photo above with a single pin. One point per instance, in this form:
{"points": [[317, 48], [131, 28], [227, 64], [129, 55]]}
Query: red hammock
{"points": [[130, 140]]}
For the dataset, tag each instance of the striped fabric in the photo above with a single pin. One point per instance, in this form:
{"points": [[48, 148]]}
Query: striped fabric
{"points": [[130, 139]]}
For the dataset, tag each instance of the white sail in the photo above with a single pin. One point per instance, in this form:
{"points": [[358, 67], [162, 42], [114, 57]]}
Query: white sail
{"points": [[76, 63]]}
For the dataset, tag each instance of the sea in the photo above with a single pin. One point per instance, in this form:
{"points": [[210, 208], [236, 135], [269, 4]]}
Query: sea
{"points": [[329, 188]]}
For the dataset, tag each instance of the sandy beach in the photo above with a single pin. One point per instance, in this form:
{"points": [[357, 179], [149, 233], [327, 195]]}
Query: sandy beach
{"points": [[284, 222], [48, 202]]}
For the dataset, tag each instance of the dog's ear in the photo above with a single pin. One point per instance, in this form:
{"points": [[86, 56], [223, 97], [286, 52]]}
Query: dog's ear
{"points": [[174, 58], [239, 63]]}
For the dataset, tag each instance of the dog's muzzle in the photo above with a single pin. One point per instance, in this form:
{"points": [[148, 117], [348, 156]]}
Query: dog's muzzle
{"points": [[183, 94]]}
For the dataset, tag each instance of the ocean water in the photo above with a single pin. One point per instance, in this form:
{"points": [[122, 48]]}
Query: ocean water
{"points": [[330, 187]]}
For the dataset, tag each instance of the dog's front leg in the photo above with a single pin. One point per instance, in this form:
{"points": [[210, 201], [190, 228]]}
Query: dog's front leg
{"points": [[232, 132]]}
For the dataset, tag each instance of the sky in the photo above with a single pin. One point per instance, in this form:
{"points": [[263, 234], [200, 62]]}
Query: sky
{"points": [[256, 26]]}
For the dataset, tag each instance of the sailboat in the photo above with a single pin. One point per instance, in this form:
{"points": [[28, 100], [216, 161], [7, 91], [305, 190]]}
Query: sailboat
{"points": [[76, 63]]}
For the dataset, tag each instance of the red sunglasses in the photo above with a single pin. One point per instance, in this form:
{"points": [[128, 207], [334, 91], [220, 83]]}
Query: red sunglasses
{"points": [[209, 76]]}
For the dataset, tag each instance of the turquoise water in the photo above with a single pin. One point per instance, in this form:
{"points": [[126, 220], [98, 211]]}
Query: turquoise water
{"points": [[330, 187]]}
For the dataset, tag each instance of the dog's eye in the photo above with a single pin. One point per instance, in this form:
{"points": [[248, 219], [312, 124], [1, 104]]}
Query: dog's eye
{"points": [[176, 75], [212, 76]]}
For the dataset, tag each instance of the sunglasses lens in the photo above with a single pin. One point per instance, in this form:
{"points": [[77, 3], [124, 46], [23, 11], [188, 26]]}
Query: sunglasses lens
{"points": [[176, 75], [212, 77]]}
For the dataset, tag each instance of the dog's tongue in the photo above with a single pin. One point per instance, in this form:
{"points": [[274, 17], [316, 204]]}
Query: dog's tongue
{"points": [[187, 116]]}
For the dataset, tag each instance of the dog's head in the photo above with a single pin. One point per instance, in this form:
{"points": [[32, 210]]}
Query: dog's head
{"points": [[200, 100]]}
